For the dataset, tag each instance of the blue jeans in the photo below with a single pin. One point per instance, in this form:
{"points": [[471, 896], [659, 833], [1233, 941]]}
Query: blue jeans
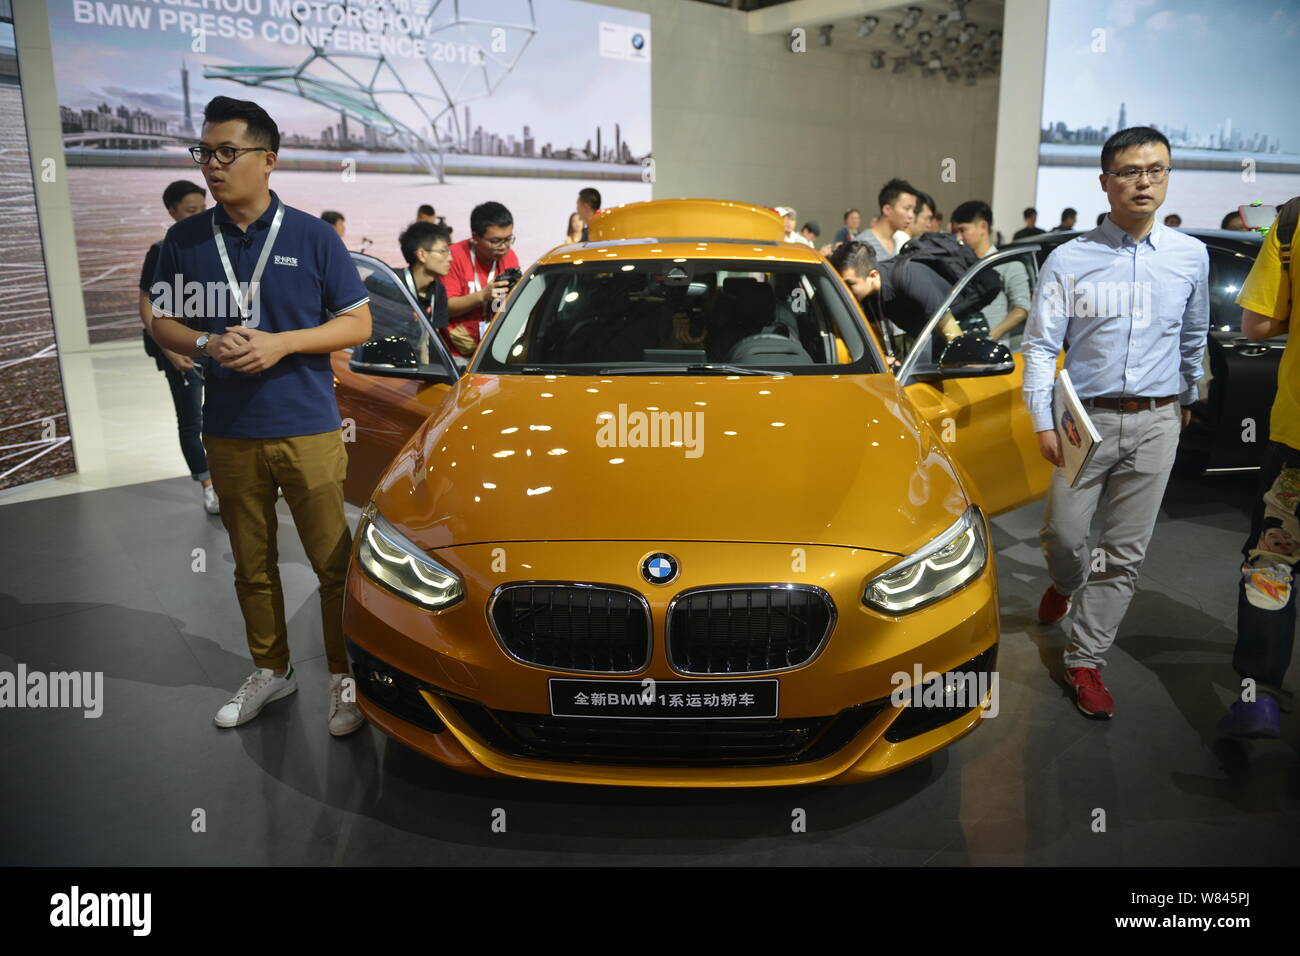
{"points": [[187, 396]]}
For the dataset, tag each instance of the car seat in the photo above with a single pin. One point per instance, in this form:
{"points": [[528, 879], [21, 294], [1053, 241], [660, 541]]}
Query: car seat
{"points": [[765, 339]]}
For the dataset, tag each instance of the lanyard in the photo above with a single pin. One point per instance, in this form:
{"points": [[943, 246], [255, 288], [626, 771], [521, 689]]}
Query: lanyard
{"points": [[473, 282], [245, 302], [474, 286], [410, 284]]}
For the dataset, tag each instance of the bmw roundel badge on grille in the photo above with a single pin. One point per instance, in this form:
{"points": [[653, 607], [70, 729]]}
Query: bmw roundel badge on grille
{"points": [[659, 568]]}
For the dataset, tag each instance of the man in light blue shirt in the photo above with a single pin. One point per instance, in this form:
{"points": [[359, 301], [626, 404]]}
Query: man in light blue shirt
{"points": [[1131, 301]]}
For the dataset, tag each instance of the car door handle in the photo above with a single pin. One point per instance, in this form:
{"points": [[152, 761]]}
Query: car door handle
{"points": [[1245, 346]]}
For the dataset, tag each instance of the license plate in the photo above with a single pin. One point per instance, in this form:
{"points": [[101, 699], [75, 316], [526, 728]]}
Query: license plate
{"points": [[664, 699]]}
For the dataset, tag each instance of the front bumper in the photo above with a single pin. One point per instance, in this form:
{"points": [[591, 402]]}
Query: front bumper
{"points": [[442, 684]]}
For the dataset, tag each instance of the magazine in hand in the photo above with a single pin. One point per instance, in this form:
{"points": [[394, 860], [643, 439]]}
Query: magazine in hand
{"points": [[1079, 439]]}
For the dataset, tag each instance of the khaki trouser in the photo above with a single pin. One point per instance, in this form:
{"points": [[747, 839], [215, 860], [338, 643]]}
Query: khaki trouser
{"points": [[1126, 478], [310, 469]]}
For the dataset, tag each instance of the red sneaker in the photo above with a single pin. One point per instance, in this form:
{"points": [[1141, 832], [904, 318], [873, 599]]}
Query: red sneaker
{"points": [[1090, 694], [1053, 606]]}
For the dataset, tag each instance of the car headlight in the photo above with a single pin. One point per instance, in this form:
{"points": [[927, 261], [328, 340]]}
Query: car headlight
{"points": [[392, 560], [942, 566]]}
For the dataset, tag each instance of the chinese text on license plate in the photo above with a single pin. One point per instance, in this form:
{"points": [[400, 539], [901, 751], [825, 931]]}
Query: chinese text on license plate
{"points": [[664, 699]]}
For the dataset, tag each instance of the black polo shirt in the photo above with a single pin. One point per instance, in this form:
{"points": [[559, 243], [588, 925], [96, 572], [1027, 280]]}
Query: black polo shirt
{"points": [[309, 279]]}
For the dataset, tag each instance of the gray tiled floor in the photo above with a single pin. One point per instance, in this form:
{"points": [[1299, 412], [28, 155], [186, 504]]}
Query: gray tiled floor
{"points": [[105, 581]]}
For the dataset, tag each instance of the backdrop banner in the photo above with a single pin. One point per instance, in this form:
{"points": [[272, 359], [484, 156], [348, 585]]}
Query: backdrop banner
{"points": [[34, 438], [383, 105], [1181, 67]]}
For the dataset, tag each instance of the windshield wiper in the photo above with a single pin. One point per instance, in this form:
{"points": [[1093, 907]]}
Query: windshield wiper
{"points": [[674, 369]]}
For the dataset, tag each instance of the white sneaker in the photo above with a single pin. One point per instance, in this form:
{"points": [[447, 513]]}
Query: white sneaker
{"points": [[210, 503], [261, 687], [345, 716]]}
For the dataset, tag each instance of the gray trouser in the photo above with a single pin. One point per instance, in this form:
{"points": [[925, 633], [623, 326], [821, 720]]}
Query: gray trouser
{"points": [[1128, 472]]}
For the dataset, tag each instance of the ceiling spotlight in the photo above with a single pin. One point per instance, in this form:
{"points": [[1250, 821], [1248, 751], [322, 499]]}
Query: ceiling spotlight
{"points": [[951, 44], [925, 36], [933, 65], [900, 31], [911, 16], [976, 49], [824, 34], [967, 32], [877, 59], [866, 25]]}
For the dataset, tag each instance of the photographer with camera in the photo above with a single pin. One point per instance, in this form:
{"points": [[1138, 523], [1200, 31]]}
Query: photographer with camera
{"points": [[483, 269]]}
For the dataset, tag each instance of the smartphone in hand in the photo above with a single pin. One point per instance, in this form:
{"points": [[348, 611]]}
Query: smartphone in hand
{"points": [[1257, 215]]}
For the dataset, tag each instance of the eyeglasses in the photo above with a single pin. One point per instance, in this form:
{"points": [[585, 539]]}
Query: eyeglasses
{"points": [[505, 243], [1130, 174], [439, 251], [225, 154]]}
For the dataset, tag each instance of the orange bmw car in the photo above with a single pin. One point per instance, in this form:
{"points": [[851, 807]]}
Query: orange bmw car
{"points": [[677, 524]]}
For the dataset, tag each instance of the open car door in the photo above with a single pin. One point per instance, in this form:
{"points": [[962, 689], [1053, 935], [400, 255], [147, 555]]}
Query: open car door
{"points": [[389, 385], [972, 397], [1230, 420]]}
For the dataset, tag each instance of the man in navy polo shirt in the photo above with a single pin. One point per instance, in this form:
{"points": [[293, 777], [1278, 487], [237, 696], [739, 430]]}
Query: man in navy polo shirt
{"points": [[263, 293]]}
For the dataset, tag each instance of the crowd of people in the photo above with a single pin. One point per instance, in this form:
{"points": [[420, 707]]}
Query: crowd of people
{"points": [[262, 419], [903, 264], [897, 293]]}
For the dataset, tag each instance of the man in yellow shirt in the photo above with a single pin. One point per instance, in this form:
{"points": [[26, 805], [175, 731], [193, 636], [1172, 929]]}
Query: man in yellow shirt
{"points": [[1266, 611]]}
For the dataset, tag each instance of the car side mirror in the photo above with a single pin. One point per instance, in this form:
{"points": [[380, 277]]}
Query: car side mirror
{"points": [[394, 357], [392, 351], [974, 356]]}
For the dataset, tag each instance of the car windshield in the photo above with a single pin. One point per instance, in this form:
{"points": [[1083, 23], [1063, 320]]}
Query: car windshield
{"points": [[665, 316]]}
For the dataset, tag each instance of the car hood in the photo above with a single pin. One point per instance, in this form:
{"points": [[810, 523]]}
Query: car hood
{"points": [[805, 459]]}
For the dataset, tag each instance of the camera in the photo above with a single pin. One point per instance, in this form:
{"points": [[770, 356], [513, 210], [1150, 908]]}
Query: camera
{"points": [[511, 275]]}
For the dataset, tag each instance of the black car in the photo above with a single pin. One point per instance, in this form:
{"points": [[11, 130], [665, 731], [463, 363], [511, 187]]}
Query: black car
{"points": [[1230, 420]]}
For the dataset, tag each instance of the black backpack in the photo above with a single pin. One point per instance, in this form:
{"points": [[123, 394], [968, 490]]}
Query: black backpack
{"points": [[951, 259], [1287, 215]]}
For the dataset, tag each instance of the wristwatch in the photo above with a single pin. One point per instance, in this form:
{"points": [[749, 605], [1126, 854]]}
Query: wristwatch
{"points": [[201, 344]]}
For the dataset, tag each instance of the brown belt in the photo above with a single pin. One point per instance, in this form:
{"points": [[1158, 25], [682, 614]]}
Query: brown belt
{"points": [[1129, 404]]}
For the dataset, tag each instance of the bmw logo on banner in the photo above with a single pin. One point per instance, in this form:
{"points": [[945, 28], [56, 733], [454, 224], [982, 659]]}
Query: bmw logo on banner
{"points": [[659, 568]]}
